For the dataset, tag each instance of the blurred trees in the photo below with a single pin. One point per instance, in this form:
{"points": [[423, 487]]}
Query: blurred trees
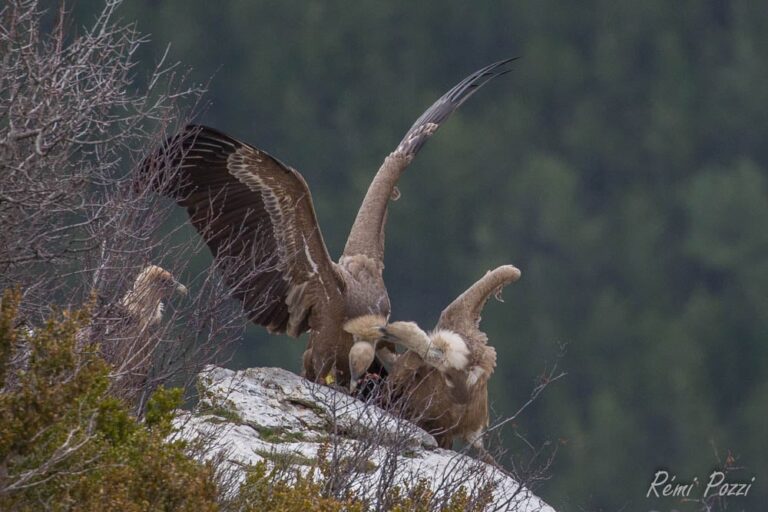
{"points": [[621, 166]]}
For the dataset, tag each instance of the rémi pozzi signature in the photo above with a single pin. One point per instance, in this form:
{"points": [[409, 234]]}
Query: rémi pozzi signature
{"points": [[664, 485]]}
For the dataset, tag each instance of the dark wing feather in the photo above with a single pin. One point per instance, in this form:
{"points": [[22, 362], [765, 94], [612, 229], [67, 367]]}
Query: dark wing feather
{"points": [[367, 234], [440, 110], [257, 217]]}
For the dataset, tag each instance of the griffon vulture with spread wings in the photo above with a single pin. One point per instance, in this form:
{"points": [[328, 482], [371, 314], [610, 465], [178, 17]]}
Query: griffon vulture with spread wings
{"points": [[256, 215]]}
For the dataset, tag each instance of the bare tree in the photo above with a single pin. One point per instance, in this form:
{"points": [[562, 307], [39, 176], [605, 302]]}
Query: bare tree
{"points": [[78, 223]]}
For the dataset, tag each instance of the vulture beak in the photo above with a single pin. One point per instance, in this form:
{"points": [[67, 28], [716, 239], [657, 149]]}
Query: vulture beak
{"points": [[361, 355], [181, 289], [388, 336], [356, 378]]}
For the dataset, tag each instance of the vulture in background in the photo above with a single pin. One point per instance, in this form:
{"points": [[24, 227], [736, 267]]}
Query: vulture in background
{"points": [[123, 328], [128, 334], [143, 303], [441, 381], [256, 215]]}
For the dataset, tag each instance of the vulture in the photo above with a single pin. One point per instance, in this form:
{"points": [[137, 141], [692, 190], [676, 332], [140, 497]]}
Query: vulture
{"points": [[256, 215], [123, 330], [143, 303], [130, 340], [441, 381]]}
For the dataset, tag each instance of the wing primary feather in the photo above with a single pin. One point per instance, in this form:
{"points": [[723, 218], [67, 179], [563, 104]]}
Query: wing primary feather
{"points": [[430, 120], [367, 233]]}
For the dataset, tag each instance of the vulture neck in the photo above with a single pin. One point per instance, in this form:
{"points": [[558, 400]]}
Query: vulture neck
{"points": [[144, 304]]}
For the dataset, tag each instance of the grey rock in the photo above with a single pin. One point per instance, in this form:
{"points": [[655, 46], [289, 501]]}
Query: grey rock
{"points": [[273, 415]]}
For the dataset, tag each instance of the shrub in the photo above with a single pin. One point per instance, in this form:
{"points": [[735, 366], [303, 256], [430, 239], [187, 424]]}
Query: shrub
{"points": [[66, 444]]}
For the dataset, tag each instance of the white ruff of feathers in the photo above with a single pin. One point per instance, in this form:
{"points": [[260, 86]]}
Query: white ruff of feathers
{"points": [[455, 350]]}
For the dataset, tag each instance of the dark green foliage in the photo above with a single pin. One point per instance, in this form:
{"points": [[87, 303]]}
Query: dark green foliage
{"points": [[622, 166], [272, 490], [66, 444]]}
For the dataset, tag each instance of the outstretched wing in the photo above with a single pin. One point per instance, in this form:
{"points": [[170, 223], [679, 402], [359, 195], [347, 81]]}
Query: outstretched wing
{"points": [[430, 120], [367, 234], [257, 217], [463, 314]]}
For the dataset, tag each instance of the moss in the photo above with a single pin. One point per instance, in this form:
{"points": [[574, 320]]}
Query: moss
{"points": [[368, 466], [309, 404], [212, 404], [217, 408], [266, 489], [277, 434], [286, 459]]}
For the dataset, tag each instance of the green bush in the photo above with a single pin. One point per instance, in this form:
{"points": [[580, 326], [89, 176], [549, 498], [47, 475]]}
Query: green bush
{"points": [[66, 444]]}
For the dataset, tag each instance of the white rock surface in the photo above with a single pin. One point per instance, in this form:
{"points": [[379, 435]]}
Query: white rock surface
{"points": [[272, 414]]}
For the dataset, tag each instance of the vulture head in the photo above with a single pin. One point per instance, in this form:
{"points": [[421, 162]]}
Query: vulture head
{"points": [[366, 332], [360, 358], [144, 300]]}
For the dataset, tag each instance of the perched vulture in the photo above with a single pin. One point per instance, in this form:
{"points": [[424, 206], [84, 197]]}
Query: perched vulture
{"points": [[127, 334], [122, 328], [256, 215], [143, 303], [441, 381]]}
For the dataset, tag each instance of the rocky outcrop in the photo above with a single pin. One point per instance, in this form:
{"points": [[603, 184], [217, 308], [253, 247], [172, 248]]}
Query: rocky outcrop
{"points": [[273, 415]]}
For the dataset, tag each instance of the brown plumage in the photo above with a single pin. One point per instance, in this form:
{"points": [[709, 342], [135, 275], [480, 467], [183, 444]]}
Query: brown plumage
{"points": [[131, 337], [124, 332], [143, 303], [366, 331], [442, 380], [256, 215]]}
